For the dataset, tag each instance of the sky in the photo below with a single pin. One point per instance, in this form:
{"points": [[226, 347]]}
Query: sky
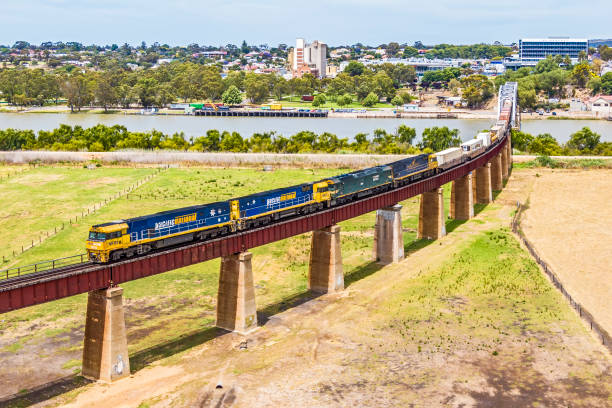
{"points": [[335, 22]]}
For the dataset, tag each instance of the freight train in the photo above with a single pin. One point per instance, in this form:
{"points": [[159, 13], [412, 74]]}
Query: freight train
{"points": [[132, 237]]}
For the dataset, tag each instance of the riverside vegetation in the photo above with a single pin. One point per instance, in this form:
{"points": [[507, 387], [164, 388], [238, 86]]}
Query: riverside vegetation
{"points": [[101, 138]]}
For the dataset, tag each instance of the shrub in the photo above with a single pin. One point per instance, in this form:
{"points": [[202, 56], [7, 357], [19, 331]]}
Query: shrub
{"points": [[370, 100], [318, 100]]}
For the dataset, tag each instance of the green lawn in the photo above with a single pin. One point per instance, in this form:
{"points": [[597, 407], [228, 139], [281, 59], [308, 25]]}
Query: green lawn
{"points": [[39, 200]]}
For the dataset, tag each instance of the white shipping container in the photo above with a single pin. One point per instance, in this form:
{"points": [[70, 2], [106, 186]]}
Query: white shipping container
{"points": [[485, 137], [471, 145], [449, 155]]}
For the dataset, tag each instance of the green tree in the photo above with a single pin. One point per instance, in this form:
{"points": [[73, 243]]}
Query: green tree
{"points": [[544, 144], [77, 90], [606, 53], [410, 52], [584, 139], [581, 74], [439, 138], [521, 140], [606, 83], [105, 92], [397, 100], [318, 100], [232, 142], [354, 68], [392, 49], [477, 90], [256, 88], [370, 100], [232, 96], [212, 84], [405, 134], [146, 90], [344, 100], [281, 87]]}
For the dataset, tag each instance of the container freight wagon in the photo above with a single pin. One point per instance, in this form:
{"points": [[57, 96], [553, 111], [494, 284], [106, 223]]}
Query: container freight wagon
{"points": [[360, 183], [139, 235], [411, 168], [449, 158], [273, 204], [472, 148]]}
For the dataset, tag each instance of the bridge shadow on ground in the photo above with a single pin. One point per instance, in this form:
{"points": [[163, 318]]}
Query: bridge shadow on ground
{"points": [[478, 208], [36, 395], [454, 224]]}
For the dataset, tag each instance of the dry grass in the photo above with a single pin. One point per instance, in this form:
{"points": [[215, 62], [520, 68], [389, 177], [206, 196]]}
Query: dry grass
{"points": [[203, 159]]}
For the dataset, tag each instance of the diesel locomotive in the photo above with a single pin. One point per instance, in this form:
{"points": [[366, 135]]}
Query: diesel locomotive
{"points": [[131, 237]]}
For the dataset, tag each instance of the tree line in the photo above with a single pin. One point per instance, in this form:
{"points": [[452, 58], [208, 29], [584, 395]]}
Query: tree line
{"points": [[101, 138], [584, 142], [187, 81]]}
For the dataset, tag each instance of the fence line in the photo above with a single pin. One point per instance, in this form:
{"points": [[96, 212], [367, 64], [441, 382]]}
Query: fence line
{"points": [[44, 235], [605, 337]]}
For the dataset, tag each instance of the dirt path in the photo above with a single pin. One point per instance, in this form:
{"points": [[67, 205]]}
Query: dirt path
{"points": [[569, 221]]}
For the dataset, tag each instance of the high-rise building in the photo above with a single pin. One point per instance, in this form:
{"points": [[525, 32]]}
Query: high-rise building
{"points": [[540, 48], [311, 58]]}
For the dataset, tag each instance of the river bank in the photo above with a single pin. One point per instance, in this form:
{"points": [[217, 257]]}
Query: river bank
{"points": [[343, 127], [428, 112]]}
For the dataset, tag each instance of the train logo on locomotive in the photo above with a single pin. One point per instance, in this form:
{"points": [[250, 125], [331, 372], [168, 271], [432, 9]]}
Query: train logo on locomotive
{"points": [[277, 200], [178, 220]]}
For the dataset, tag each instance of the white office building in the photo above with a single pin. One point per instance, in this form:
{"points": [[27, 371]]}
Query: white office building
{"points": [[309, 58], [540, 48]]}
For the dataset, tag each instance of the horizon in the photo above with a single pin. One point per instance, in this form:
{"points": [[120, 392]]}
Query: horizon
{"points": [[342, 23]]}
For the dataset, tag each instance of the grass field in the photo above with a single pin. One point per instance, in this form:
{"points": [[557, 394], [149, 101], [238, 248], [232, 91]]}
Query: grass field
{"points": [[41, 200], [476, 293]]}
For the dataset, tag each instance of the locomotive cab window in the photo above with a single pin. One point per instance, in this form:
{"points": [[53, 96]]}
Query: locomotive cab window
{"points": [[97, 236], [323, 189]]}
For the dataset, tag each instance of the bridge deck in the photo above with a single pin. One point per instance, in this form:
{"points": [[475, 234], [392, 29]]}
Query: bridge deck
{"points": [[36, 288]]}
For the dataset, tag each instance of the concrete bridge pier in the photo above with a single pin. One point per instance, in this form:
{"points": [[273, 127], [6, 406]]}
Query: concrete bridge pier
{"points": [[431, 215], [504, 159], [236, 308], [496, 173], [388, 235], [509, 147], [484, 193], [462, 198], [325, 273], [105, 355]]}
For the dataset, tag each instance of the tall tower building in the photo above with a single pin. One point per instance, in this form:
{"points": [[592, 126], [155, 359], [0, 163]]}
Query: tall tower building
{"points": [[311, 58]]}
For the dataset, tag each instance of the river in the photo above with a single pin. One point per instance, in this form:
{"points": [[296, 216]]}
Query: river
{"points": [[246, 126]]}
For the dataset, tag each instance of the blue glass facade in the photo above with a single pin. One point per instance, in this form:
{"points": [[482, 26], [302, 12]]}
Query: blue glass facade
{"points": [[541, 48]]}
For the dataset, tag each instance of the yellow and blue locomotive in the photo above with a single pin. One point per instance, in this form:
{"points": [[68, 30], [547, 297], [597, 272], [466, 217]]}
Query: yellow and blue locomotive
{"points": [[137, 236]]}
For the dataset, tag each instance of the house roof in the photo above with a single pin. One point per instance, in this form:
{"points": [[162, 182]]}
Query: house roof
{"points": [[607, 98]]}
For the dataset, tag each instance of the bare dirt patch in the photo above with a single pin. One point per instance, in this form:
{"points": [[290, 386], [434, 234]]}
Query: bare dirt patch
{"points": [[569, 221], [103, 181]]}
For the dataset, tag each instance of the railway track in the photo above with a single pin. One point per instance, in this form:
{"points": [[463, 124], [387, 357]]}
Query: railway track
{"points": [[43, 276]]}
